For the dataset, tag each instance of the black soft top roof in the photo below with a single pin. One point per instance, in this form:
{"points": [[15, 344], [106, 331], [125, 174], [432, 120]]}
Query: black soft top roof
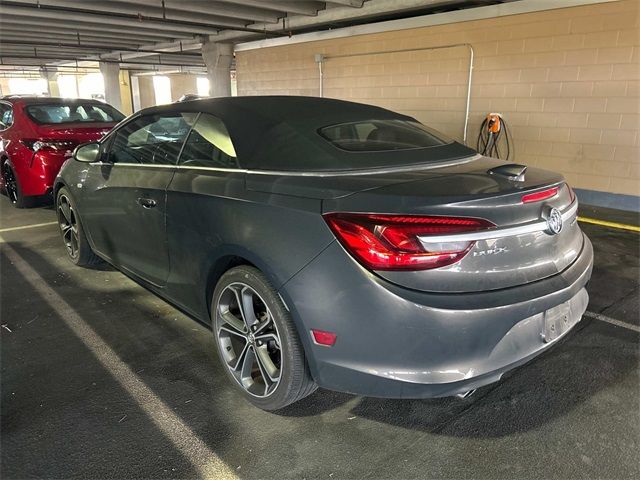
{"points": [[281, 132]]}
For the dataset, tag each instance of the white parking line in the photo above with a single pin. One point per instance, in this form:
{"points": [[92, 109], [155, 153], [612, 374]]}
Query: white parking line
{"points": [[612, 321], [203, 459], [23, 227]]}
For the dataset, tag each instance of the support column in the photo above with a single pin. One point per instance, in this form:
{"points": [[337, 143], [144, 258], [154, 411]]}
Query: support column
{"points": [[111, 74], [218, 57], [51, 76]]}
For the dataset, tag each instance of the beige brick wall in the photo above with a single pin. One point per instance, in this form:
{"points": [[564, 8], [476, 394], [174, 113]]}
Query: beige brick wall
{"points": [[182, 84], [567, 82]]}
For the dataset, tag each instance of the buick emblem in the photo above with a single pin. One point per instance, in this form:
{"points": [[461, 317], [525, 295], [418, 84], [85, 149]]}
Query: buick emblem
{"points": [[554, 222]]}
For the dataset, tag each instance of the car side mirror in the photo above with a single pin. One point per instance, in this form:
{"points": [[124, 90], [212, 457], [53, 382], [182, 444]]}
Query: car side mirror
{"points": [[87, 152]]}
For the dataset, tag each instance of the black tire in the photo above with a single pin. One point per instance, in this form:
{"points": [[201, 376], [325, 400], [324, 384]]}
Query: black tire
{"points": [[294, 380], [73, 236], [12, 188]]}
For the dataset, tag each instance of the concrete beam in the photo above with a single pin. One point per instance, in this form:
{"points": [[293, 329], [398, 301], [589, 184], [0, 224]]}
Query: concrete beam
{"points": [[238, 11], [332, 15], [121, 10], [19, 35], [32, 23], [299, 7], [97, 48], [165, 47], [347, 3], [53, 16]]}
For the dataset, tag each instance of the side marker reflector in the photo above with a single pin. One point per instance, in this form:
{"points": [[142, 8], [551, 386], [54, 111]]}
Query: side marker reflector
{"points": [[320, 337]]}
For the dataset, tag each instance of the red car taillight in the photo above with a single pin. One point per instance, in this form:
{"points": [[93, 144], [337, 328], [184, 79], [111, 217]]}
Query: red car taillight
{"points": [[390, 242], [56, 145]]}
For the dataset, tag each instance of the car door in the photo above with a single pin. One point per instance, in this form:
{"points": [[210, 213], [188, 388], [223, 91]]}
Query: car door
{"points": [[124, 199], [202, 200]]}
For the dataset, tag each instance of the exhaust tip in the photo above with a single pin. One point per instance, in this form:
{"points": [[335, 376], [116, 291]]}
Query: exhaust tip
{"points": [[466, 394]]}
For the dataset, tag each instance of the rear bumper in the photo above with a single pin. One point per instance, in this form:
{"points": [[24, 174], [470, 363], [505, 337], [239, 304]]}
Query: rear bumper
{"points": [[400, 343], [42, 173]]}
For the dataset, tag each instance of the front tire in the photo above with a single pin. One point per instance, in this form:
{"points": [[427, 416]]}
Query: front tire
{"points": [[75, 241], [257, 340]]}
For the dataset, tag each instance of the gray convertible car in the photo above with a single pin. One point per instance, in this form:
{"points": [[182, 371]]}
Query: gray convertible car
{"points": [[332, 244]]}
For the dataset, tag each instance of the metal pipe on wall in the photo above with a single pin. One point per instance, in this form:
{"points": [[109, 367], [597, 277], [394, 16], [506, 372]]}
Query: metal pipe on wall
{"points": [[320, 59]]}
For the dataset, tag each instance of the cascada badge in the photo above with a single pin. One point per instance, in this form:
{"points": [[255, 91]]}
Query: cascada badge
{"points": [[554, 222]]}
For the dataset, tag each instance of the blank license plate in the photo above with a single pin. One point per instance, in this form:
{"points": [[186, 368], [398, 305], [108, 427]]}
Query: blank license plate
{"points": [[557, 320]]}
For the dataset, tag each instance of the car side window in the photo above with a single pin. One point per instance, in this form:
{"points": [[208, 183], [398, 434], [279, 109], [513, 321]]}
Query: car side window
{"points": [[209, 145], [6, 116], [151, 139]]}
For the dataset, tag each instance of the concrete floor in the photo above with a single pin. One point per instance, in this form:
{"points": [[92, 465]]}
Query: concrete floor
{"points": [[102, 379]]}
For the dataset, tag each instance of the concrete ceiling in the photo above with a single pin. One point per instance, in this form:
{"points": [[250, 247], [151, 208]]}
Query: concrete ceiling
{"points": [[154, 34]]}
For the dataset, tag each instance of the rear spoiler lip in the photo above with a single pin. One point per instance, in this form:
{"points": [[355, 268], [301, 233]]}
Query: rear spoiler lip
{"points": [[531, 227], [367, 171]]}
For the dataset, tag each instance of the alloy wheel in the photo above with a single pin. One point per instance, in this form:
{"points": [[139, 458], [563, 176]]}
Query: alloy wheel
{"points": [[248, 339], [10, 183], [68, 225]]}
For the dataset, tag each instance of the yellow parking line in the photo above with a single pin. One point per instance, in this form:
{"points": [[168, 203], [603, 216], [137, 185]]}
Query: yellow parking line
{"points": [[604, 223]]}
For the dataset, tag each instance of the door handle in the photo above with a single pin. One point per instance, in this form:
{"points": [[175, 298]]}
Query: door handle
{"points": [[146, 202]]}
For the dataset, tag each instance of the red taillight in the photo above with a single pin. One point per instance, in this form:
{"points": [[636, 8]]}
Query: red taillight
{"points": [[538, 196], [56, 145], [391, 242], [321, 337]]}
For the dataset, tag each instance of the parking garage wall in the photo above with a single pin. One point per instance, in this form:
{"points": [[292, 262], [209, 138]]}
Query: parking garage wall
{"points": [[181, 84], [567, 82]]}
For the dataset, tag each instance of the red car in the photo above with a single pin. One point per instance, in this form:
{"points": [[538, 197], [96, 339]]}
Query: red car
{"points": [[37, 134]]}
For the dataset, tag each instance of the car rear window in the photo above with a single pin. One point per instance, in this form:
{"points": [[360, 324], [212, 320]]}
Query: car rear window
{"points": [[382, 135], [73, 113]]}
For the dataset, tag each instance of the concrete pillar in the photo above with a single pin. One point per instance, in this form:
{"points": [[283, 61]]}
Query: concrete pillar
{"points": [[135, 93], [111, 74], [217, 57], [51, 76]]}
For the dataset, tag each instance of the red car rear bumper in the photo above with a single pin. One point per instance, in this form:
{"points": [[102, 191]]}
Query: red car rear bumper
{"points": [[37, 175]]}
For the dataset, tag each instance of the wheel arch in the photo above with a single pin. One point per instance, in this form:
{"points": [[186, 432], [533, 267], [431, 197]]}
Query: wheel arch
{"points": [[227, 258], [232, 257], [218, 268], [56, 188], [3, 158]]}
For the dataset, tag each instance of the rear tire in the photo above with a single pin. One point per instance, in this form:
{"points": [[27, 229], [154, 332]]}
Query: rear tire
{"points": [[73, 236], [12, 187], [258, 342]]}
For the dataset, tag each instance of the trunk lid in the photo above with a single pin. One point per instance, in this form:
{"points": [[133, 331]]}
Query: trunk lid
{"points": [[77, 132], [465, 189], [517, 258]]}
